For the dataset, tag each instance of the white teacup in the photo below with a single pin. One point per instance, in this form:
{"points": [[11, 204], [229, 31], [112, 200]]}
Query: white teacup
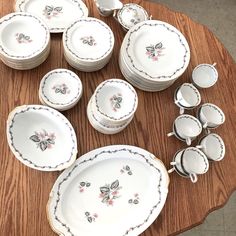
{"points": [[187, 97], [186, 128], [211, 116], [194, 162], [205, 75], [106, 7], [176, 163], [213, 146]]}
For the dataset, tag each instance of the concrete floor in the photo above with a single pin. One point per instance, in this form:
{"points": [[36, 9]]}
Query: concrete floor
{"points": [[220, 17]]}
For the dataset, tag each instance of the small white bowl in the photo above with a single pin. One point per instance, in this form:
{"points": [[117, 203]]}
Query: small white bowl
{"points": [[60, 89], [115, 101], [41, 138]]}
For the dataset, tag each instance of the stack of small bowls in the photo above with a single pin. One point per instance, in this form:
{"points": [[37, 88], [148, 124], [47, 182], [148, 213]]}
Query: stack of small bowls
{"points": [[112, 106], [24, 41], [60, 89], [88, 44]]}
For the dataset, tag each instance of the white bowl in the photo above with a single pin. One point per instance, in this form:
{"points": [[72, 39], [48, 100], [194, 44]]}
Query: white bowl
{"points": [[60, 89], [23, 36], [115, 101], [41, 138]]}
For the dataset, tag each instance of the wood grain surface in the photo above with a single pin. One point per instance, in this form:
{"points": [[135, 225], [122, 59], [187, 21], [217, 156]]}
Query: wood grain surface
{"points": [[24, 192]]}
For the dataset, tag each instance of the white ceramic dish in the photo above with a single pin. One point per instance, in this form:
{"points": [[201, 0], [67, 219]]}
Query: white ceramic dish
{"points": [[187, 97], [213, 146], [41, 138], [22, 36], [205, 75], [60, 89], [106, 8], [58, 15], [194, 162], [115, 101], [132, 189], [211, 116], [186, 128], [131, 14], [156, 51], [100, 126], [88, 43]]}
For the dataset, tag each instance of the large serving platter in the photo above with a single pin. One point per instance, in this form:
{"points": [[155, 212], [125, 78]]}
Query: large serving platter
{"points": [[41, 138], [114, 190], [57, 14]]}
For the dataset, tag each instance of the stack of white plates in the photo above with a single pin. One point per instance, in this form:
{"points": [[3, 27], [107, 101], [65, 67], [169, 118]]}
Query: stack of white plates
{"points": [[60, 89], [112, 106], [153, 55], [58, 15], [24, 41], [88, 44]]}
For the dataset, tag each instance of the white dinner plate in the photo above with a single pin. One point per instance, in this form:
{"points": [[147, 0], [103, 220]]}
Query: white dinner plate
{"points": [[57, 14], [114, 190], [156, 51], [41, 138]]}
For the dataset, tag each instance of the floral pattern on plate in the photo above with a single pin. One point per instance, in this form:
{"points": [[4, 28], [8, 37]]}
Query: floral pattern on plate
{"points": [[44, 140], [51, 11], [61, 89], [126, 169], [155, 51], [22, 38], [116, 101], [89, 40], [91, 218], [134, 200], [83, 186], [110, 192]]}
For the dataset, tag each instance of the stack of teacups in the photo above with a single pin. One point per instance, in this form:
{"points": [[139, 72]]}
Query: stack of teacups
{"points": [[190, 162], [60, 89], [153, 55], [24, 41], [88, 44], [112, 106]]}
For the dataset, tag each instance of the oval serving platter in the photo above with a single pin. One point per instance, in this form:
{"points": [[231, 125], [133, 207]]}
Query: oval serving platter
{"points": [[115, 190], [41, 138], [57, 14]]}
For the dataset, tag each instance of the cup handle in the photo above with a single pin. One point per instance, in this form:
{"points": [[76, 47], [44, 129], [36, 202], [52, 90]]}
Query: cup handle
{"points": [[170, 134], [173, 163], [207, 131], [204, 125], [199, 147], [188, 141], [171, 170], [193, 177], [181, 111], [214, 64]]}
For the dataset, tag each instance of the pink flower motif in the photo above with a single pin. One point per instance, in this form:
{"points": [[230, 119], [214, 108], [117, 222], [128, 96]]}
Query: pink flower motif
{"points": [[136, 194], [81, 190], [110, 202], [101, 195], [95, 215], [115, 193]]}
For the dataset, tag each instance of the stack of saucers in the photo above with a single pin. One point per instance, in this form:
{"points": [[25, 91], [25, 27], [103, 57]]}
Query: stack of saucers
{"points": [[88, 44], [24, 41], [60, 89], [153, 55], [112, 106]]}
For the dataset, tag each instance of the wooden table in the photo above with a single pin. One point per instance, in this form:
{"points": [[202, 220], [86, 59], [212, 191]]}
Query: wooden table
{"points": [[24, 191]]}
